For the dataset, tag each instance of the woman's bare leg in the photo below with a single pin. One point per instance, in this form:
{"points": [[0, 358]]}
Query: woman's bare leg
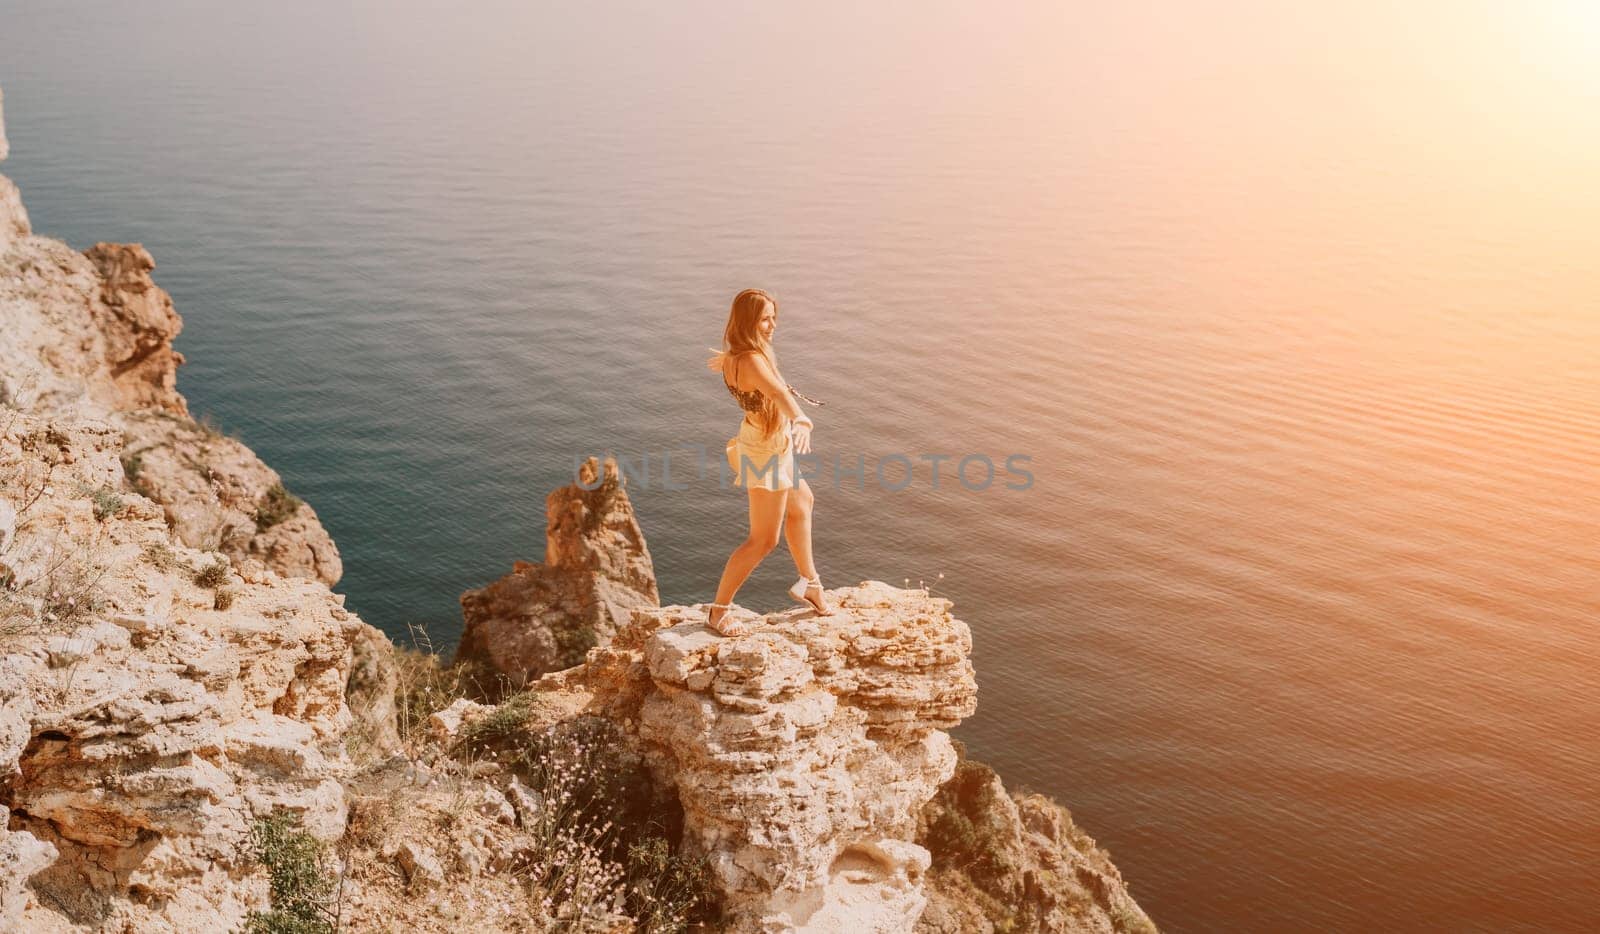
{"points": [[797, 531], [766, 515], [797, 528]]}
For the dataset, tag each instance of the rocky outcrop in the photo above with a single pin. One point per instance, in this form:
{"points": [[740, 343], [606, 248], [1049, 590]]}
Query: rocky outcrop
{"points": [[156, 699], [90, 335], [1016, 862], [805, 763], [803, 751], [597, 571], [370, 690], [163, 682], [140, 329], [216, 494]]}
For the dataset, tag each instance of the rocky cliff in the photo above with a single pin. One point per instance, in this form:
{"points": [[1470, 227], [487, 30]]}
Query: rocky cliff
{"points": [[196, 735]]}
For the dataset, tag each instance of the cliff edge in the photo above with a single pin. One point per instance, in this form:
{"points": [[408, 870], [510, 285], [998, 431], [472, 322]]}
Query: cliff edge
{"points": [[196, 735]]}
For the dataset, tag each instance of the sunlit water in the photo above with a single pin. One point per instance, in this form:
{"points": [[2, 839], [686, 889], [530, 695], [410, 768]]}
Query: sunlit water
{"points": [[1295, 317]]}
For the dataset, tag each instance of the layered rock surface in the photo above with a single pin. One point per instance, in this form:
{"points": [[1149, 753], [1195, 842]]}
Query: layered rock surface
{"points": [[171, 667], [1016, 862], [89, 335], [803, 751], [155, 698]]}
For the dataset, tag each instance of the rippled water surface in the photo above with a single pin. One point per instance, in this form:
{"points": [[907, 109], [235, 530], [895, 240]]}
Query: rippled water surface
{"points": [[1294, 310]]}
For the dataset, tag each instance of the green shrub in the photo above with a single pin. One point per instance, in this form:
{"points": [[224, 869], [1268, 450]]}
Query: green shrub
{"points": [[502, 723], [958, 835], [161, 555], [107, 503], [574, 643], [305, 898], [132, 466], [133, 469]]}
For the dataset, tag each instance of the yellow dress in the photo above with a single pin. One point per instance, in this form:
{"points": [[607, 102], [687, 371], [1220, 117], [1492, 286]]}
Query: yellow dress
{"points": [[761, 463], [765, 464]]}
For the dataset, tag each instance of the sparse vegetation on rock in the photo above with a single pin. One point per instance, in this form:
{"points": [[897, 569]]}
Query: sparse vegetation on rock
{"points": [[277, 504], [213, 573], [305, 890]]}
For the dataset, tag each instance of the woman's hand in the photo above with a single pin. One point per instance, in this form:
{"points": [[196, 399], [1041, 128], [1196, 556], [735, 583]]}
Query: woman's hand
{"points": [[802, 437]]}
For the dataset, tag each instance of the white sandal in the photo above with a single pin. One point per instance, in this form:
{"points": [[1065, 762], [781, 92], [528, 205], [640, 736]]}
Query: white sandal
{"points": [[723, 626], [802, 586]]}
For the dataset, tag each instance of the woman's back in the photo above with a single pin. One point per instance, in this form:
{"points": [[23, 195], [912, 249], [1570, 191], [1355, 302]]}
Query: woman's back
{"points": [[749, 399]]}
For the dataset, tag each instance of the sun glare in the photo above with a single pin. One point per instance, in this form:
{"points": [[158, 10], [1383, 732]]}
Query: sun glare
{"points": [[1572, 51]]}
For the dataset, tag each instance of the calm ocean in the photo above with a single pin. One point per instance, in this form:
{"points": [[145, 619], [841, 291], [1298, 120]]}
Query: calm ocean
{"points": [[1293, 309]]}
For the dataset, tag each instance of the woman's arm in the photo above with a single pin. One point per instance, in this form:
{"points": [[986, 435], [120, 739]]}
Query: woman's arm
{"points": [[773, 388]]}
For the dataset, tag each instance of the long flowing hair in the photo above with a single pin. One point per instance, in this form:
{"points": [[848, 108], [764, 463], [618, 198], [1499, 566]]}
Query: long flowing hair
{"points": [[742, 335]]}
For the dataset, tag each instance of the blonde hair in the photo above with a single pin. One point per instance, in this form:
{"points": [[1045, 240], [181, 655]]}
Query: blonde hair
{"points": [[742, 335]]}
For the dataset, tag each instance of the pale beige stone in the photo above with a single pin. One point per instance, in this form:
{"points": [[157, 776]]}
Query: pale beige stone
{"points": [[529, 804], [420, 864], [445, 725], [21, 854], [89, 336], [142, 730], [803, 751]]}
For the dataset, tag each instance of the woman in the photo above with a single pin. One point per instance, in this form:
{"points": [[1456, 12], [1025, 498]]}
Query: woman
{"points": [[774, 430]]}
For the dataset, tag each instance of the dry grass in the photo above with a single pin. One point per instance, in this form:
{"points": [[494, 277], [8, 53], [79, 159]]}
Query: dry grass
{"points": [[214, 574], [426, 685], [161, 555]]}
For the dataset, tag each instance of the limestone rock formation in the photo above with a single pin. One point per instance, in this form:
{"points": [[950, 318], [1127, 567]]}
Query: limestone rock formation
{"points": [[803, 751], [144, 367], [806, 762], [370, 691], [1010, 862], [90, 335], [217, 494], [156, 699], [597, 571]]}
